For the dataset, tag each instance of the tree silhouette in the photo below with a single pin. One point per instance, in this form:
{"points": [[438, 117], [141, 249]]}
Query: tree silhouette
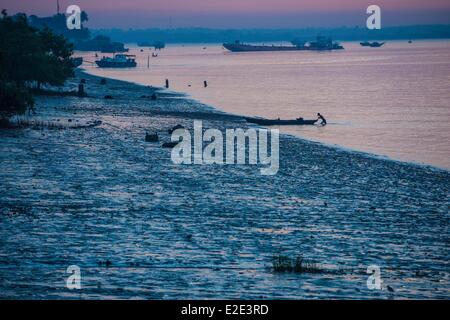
{"points": [[29, 57]]}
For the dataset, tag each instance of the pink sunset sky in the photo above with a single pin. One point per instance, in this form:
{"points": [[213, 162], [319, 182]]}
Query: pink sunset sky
{"points": [[239, 13]]}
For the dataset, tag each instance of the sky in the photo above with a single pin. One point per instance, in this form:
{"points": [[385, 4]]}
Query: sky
{"points": [[240, 13]]}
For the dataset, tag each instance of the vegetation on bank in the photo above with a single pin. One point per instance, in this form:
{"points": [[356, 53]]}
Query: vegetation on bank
{"points": [[29, 58]]}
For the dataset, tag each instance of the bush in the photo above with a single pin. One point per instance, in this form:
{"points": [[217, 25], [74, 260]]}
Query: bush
{"points": [[13, 100], [29, 56]]}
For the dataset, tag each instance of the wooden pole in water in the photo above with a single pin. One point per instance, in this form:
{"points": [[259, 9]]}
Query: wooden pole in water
{"points": [[81, 90], [167, 83]]}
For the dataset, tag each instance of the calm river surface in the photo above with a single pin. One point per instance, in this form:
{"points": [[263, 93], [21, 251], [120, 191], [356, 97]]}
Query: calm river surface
{"points": [[392, 101]]}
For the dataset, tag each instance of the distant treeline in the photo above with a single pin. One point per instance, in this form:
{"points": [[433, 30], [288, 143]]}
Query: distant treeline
{"points": [[203, 35], [57, 23], [80, 38]]}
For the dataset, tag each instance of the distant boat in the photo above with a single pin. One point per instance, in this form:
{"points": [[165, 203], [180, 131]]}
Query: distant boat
{"points": [[117, 61], [374, 44], [321, 44], [101, 43], [240, 47], [114, 47], [157, 44], [279, 122]]}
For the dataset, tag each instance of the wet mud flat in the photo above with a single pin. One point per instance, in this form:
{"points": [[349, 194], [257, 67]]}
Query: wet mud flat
{"points": [[141, 227]]}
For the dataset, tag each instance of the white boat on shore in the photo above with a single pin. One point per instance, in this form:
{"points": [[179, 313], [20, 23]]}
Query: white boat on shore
{"points": [[119, 60]]}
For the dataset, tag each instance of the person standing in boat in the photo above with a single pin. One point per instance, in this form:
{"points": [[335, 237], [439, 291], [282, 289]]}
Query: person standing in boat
{"points": [[320, 117]]}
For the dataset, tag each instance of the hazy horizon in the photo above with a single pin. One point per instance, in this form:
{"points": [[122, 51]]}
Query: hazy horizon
{"points": [[237, 14]]}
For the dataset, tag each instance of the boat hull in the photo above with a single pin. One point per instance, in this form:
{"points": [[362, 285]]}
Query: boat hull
{"points": [[109, 64], [238, 47], [249, 48], [279, 122], [372, 44]]}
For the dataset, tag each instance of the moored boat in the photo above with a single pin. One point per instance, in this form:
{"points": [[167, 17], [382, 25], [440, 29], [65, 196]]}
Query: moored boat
{"points": [[117, 61], [281, 122], [374, 44]]}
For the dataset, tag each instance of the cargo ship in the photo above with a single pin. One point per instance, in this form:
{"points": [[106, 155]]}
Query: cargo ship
{"points": [[321, 44]]}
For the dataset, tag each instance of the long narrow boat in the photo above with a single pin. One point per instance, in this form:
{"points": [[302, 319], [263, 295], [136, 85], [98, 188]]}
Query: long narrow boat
{"points": [[280, 122], [321, 44]]}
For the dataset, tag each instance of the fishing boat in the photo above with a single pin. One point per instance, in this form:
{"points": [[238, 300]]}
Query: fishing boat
{"points": [[117, 61], [280, 122], [374, 44]]}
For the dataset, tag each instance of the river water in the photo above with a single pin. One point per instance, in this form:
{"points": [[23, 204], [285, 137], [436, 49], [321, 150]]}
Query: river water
{"points": [[392, 101]]}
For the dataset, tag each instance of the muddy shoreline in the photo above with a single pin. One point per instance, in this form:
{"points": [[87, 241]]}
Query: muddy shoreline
{"points": [[102, 194]]}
